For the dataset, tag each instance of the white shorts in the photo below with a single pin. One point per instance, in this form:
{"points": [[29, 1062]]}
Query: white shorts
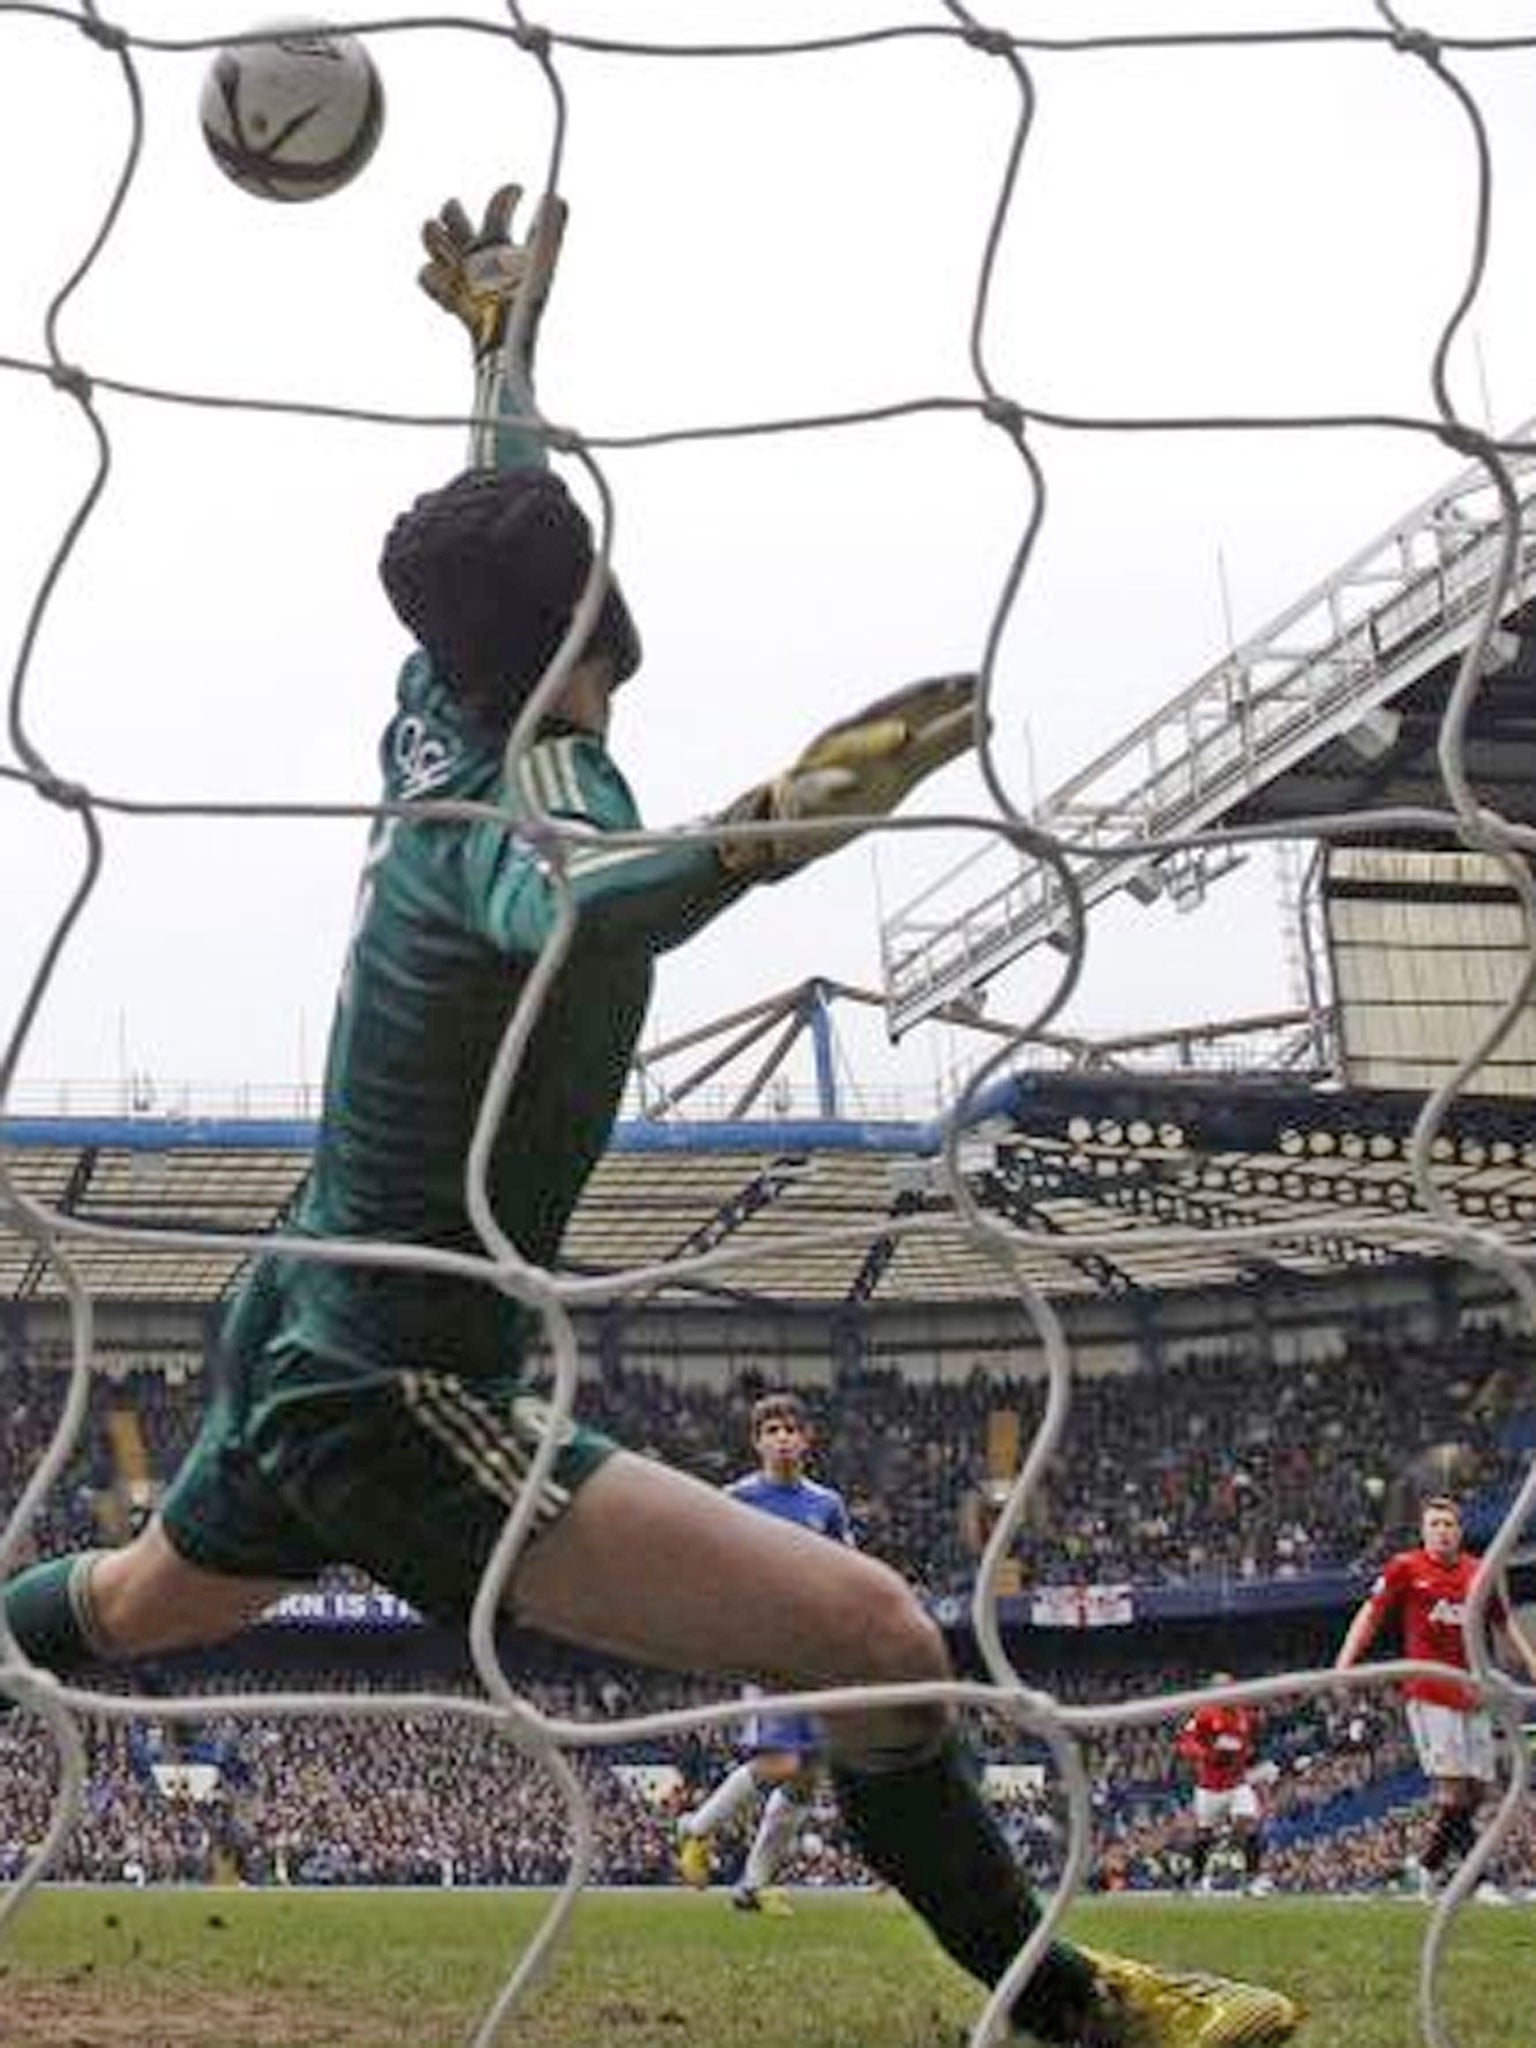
{"points": [[1452, 1742], [1214, 1809]]}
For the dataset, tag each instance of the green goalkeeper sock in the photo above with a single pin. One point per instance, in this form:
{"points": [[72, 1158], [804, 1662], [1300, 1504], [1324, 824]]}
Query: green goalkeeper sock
{"points": [[48, 1608], [925, 1828]]}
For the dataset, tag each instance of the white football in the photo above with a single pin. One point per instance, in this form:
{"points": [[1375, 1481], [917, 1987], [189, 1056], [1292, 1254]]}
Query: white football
{"points": [[294, 116]]}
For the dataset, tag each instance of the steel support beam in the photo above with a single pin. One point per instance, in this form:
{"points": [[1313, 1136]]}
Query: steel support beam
{"points": [[1324, 669]]}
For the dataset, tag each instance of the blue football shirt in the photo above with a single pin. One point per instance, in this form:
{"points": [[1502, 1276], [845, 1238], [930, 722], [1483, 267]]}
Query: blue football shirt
{"points": [[821, 1509]]}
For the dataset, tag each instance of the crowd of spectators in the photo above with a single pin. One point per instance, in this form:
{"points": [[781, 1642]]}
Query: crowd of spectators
{"points": [[31, 1397], [439, 1798], [1219, 1467], [1215, 1466], [1208, 1467], [364, 1798]]}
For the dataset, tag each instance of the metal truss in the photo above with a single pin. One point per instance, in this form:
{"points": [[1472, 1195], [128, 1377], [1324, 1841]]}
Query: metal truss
{"points": [[1095, 1168], [1279, 1116], [1010, 1190], [1146, 1190], [1327, 668], [877, 1260], [70, 1196], [760, 1192], [804, 1010]]}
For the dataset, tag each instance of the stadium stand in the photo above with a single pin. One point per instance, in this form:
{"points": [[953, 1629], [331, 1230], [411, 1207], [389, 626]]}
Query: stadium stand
{"points": [[334, 1801], [1208, 1476], [1207, 1467]]}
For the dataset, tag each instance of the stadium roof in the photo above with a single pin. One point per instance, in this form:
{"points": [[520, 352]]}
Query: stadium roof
{"points": [[1123, 1183], [1393, 762], [1335, 708]]}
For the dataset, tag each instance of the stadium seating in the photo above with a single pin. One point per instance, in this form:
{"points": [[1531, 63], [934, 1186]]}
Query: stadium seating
{"points": [[1212, 1467]]}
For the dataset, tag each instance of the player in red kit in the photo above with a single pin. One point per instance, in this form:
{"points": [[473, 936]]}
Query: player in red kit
{"points": [[1219, 1743], [1425, 1591]]}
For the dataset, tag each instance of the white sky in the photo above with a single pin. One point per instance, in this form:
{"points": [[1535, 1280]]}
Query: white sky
{"points": [[1197, 231]]}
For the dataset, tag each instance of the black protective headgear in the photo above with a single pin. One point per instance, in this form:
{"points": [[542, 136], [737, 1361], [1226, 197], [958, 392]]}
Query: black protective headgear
{"points": [[486, 573]]}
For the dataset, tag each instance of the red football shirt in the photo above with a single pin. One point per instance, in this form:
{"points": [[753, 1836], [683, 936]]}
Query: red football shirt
{"points": [[1430, 1601], [1219, 1741]]}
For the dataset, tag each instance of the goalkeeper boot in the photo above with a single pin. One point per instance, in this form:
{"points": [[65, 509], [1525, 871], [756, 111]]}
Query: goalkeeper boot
{"points": [[1145, 2007], [694, 1864]]}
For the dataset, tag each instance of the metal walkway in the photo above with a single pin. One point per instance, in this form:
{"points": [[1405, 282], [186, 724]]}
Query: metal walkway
{"points": [[1391, 615]]}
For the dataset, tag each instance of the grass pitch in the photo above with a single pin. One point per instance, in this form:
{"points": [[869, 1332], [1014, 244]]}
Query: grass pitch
{"points": [[277, 1969]]}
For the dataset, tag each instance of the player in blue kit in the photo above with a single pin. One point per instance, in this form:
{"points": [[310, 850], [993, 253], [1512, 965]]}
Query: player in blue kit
{"points": [[377, 1411], [784, 1750]]}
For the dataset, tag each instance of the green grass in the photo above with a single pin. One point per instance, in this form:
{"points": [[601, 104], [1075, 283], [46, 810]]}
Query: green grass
{"points": [[168, 1969]]}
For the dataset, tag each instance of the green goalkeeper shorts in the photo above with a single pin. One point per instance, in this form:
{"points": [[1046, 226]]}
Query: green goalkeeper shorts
{"points": [[410, 1476]]}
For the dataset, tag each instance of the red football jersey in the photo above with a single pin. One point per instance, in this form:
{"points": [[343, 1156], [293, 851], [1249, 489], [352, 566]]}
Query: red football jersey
{"points": [[1430, 1601], [1219, 1742]]}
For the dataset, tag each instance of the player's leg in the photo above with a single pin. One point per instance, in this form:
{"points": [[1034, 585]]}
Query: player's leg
{"points": [[414, 1483], [1447, 1838], [1454, 1750], [808, 1613], [1480, 1786], [1247, 1835], [147, 1598], [1479, 1782], [1467, 1797], [1210, 1809], [1421, 1869], [818, 1615], [1491, 1887], [739, 1788], [778, 1832], [47, 1611], [762, 1770], [139, 1601], [155, 1593], [219, 1552], [774, 1599], [1473, 1795]]}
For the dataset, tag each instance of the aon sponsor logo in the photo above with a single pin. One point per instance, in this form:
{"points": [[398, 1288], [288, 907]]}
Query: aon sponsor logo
{"points": [[1448, 1613]]}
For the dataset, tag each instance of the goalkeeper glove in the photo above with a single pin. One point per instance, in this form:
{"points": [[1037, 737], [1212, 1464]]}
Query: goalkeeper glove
{"points": [[862, 767], [479, 274]]}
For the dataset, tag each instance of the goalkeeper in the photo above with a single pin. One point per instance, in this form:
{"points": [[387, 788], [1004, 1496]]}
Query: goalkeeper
{"points": [[377, 1415]]}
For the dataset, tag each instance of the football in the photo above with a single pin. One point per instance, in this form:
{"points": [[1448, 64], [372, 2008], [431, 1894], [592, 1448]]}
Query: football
{"points": [[294, 116]]}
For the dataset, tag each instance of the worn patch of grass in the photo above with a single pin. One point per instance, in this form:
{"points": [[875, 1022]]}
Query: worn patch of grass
{"points": [[188, 1969]]}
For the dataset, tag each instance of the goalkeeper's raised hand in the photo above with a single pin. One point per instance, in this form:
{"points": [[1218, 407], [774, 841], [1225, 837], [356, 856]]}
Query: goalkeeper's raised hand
{"points": [[862, 767], [479, 274]]}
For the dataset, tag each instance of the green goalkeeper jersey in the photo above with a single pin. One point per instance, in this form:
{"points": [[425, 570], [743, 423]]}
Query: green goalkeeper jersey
{"points": [[452, 917]]}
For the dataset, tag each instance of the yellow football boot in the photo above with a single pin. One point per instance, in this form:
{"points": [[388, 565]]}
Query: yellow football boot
{"points": [[694, 1863], [1153, 2008]]}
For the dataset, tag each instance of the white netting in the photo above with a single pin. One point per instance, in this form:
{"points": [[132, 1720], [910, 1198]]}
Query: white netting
{"points": [[1449, 66]]}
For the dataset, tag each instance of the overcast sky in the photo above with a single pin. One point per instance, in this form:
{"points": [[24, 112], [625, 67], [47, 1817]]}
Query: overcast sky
{"points": [[1194, 231]]}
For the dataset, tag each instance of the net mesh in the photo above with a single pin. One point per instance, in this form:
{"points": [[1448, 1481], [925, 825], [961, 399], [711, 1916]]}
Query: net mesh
{"points": [[1452, 70]]}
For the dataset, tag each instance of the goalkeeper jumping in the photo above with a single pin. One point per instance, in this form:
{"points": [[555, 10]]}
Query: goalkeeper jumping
{"points": [[379, 1416]]}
